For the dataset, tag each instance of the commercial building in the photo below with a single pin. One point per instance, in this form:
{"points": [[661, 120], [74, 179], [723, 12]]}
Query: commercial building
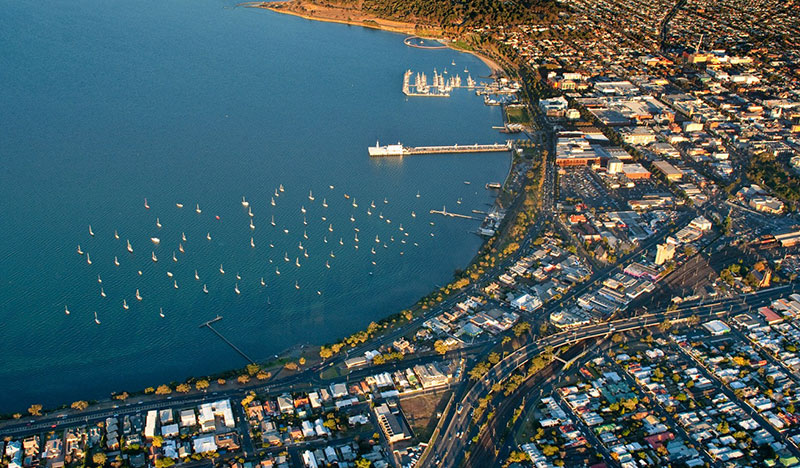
{"points": [[670, 172], [664, 253]]}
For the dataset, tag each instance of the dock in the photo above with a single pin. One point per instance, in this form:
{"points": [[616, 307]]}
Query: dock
{"points": [[400, 150], [444, 212], [235, 348]]}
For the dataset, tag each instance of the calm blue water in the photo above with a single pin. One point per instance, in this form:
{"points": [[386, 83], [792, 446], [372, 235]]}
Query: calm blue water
{"points": [[105, 104]]}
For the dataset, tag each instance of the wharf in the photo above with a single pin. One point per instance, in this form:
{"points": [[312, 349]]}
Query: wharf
{"points": [[400, 150], [444, 212], [227, 341]]}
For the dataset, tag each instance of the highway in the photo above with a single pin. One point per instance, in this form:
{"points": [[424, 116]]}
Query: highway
{"points": [[449, 450]]}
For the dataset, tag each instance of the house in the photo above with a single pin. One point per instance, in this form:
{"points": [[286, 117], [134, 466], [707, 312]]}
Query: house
{"points": [[285, 404]]}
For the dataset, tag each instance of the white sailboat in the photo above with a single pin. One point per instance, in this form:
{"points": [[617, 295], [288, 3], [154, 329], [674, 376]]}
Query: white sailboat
{"points": [[158, 223], [330, 227], [385, 201], [413, 215], [130, 249], [221, 270], [297, 262], [238, 276], [197, 209], [305, 223], [146, 205], [285, 231], [180, 248], [380, 215], [175, 284], [356, 238], [324, 203], [305, 253], [305, 234], [125, 304], [250, 212], [352, 219], [66, 310], [205, 289], [369, 212], [272, 220], [179, 205], [236, 289], [272, 201], [252, 243], [401, 227], [285, 256], [300, 245], [341, 242], [332, 255], [183, 236], [138, 296], [99, 280], [161, 312], [88, 260], [196, 276], [252, 226], [155, 259], [174, 258], [327, 265], [96, 320], [155, 240], [417, 194], [296, 285], [325, 239], [90, 231], [80, 252], [245, 203], [280, 187], [355, 205], [372, 204], [169, 274], [208, 236], [302, 209], [377, 239], [277, 272], [263, 283], [310, 196], [116, 234], [102, 293]]}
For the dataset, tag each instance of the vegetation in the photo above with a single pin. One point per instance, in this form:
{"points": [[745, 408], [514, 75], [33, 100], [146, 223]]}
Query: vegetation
{"points": [[79, 405], [773, 173]]}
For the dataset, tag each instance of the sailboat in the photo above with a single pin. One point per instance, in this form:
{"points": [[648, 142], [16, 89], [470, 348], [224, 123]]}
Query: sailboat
{"points": [[236, 289], [245, 203], [356, 238], [346, 196], [324, 203], [330, 227], [458, 201], [174, 258], [341, 242], [116, 234], [372, 204], [169, 274], [263, 283], [155, 240], [369, 212], [80, 252], [252, 243], [180, 248], [296, 286], [183, 236], [102, 293], [252, 226], [388, 221], [221, 270], [155, 259], [175, 284], [250, 212], [413, 215], [380, 215], [161, 312], [373, 250], [352, 219], [310, 196], [196, 276], [331, 187], [325, 239], [272, 201], [99, 280], [305, 223], [297, 262], [197, 209], [302, 209], [66, 310], [277, 272], [208, 236], [305, 235], [146, 205], [285, 257], [90, 231], [355, 205], [385, 201], [158, 223], [125, 304], [96, 320], [88, 260], [377, 239], [324, 218], [276, 193], [300, 245], [332, 255], [205, 289], [305, 253], [179, 205], [401, 227], [272, 220], [327, 265], [238, 276], [280, 187], [417, 194]]}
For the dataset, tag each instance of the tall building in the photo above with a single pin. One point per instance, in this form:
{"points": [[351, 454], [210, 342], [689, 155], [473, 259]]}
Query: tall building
{"points": [[664, 253]]}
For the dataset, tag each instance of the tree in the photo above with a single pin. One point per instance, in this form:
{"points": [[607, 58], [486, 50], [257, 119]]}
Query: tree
{"points": [[121, 396], [252, 369], [243, 379], [164, 462], [493, 358], [263, 375], [325, 352], [183, 388], [163, 390], [616, 338], [17, 415], [79, 405], [330, 424], [221, 381], [440, 347], [521, 328], [506, 340], [363, 463], [479, 370], [201, 384], [157, 441], [292, 366], [35, 410], [665, 325], [99, 458], [149, 390], [302, 361]]}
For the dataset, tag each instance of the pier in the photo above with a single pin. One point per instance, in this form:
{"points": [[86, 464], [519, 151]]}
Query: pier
{"points": [[400, 150], [235, 348], [444, 212]]}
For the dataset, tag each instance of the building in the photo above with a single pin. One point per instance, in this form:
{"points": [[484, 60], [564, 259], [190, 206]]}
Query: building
{"points": [[670, 172], [614, 166], [664, 253], [430, 376], [575, 150], [393, 428], [209, 411], [635, 171], [717, 327]]}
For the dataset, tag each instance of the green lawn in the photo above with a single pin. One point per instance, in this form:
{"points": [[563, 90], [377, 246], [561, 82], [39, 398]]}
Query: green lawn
{"points": [[518, 115]]}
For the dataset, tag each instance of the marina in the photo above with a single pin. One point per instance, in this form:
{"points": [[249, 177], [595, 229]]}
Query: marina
{"points": [[439, 87]]}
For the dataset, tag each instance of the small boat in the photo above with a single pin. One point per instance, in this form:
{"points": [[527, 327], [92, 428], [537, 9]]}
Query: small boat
{"points": [[385, 201], [196, 276], [161, 312], [272, 220], [432, 235], [352, 219], [296, 286], [245, 203], [458, 201], [373, 263], [369, 212], [208, 236], [297, 262], [221, 270], [158, 223], [80, 252], [180, 248], [66, 310], [325, 239], [327, 265], [174, 258], [372, 204], [305, 254], [96, 319], [277, 272], [402, 241], [466, 182], [116, 234], [102, 293], [302, 209], [280, 187], [356, 238], [385, 246], [432, 224], [205, 289], [252, 243], [416, 245], [179, 205], [238, 276], [300, 245], [146, 205], [413, 215], [99, 280], [305, 235], [91, 233], [355, 205], [356, 246], [357, 229], [319, 293], [155, 240], [236, 289], [330, 227], [373, 250], [88, 260], [346, 196], [272, 201], [377, 239], [252, 226], [276, 193], [331, 187], [271, 245], [324, 203], [380, 215], [388, 221], [183, 236], [310, 195], [332, 255], [402, 253], [125, 304], [305, 223], [249, 212], [285, 257], [139, 272], [197, 209], [401, 227], [324, 218], [155, 259], [169, 274], [341, 242], [263, 283], [417, 194]]}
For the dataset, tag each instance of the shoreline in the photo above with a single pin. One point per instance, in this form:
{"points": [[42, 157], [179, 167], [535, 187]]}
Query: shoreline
{"points": [[283, 7]]}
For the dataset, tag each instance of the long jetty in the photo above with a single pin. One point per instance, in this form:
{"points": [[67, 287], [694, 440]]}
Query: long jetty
{"points": [[235, 348], [444, 212], [492, 148]]}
